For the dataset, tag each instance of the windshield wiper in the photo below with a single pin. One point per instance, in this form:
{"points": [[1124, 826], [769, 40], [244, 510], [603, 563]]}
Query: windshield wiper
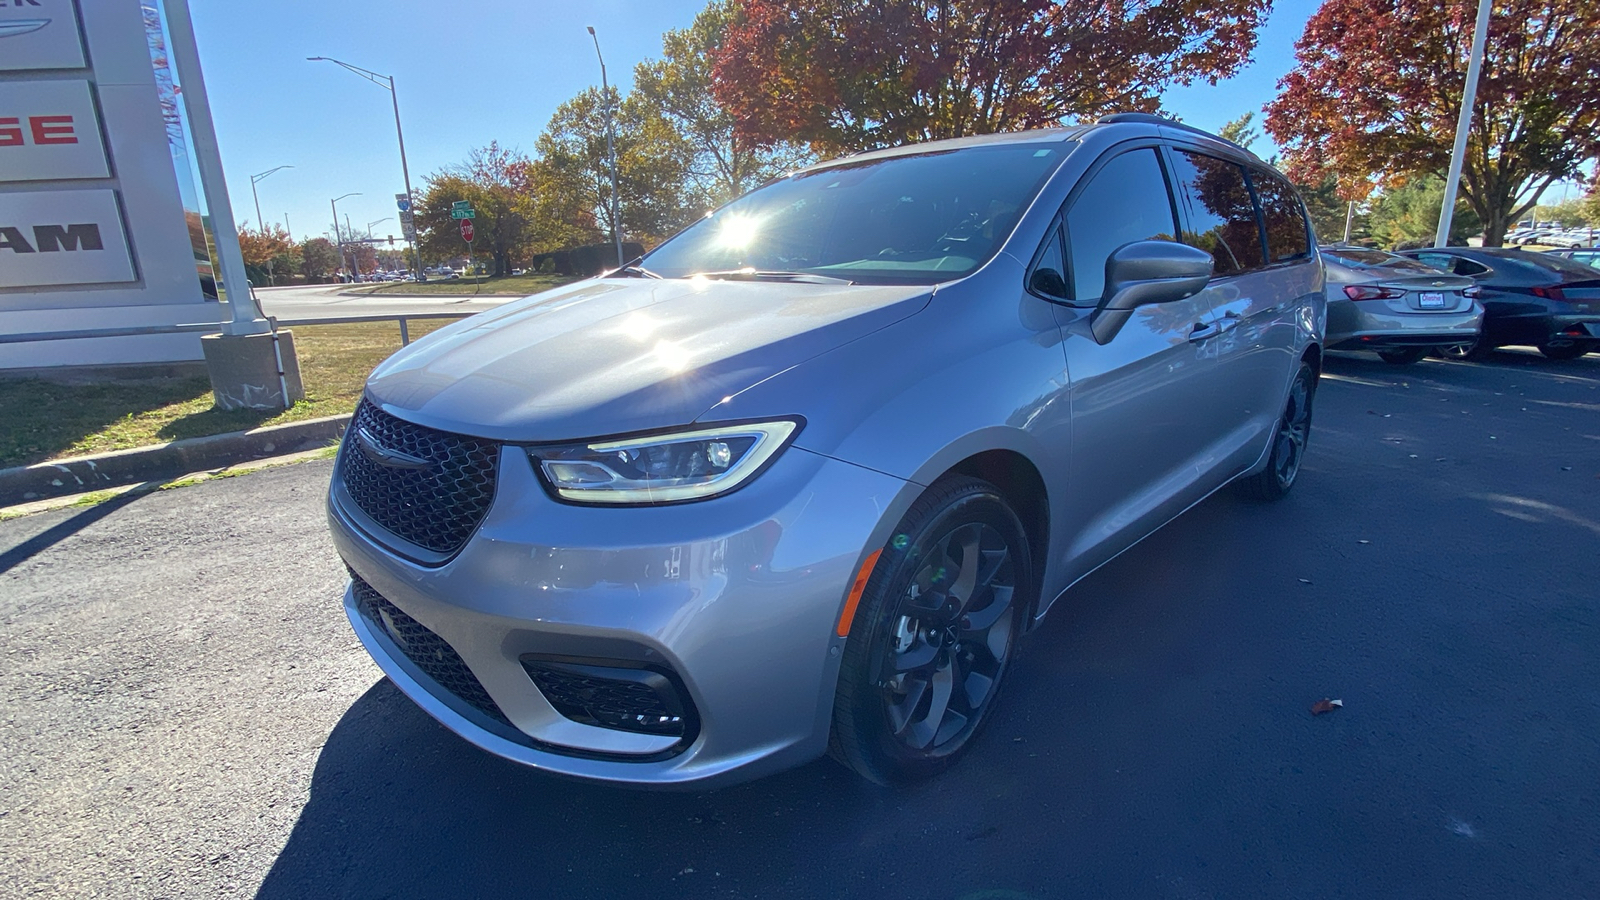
{"points": [[764, 275], [632, 271]]}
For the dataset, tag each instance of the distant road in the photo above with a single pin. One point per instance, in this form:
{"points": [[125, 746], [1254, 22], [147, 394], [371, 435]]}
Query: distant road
{"points": [[327, 301]]}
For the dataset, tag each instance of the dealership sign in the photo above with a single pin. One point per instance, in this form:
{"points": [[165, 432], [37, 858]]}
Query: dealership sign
{"points": [[62, 237], [48, 131], [39, 34]]}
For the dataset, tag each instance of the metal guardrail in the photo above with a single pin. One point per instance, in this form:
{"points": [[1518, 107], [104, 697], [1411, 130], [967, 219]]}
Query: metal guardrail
{"points": [[212, 327]]}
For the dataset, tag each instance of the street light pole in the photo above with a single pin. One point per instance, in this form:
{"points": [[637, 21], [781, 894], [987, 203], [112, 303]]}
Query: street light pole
{"points": [[334, 205], [1469, 97], [387, 81], [253, 180], [611, 148]]}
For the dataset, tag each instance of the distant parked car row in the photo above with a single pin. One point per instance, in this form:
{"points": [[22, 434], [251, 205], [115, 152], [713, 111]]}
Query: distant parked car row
{"points": [[1568, 238], [1462, 302]]}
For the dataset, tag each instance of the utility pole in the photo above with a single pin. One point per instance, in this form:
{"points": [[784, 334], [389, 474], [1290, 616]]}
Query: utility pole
{"points": [[1447, 210], [387, 82], [334, 205], [286, 229], [261, 224], [1349, 220], [611, 148]]}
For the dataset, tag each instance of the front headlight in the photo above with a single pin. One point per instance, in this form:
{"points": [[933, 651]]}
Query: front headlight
{"points": [[662, 468]]}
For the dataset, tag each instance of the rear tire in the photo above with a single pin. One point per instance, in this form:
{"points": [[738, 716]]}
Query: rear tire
{"points": [[1288, 443], [924, 665], [1403, 356], [1571, 351]]}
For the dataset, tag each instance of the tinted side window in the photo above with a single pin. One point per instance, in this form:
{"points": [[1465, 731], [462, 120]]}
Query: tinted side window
{"points": [[1125, 201], [1222, 215], [1050, 271], [1281, 212]]}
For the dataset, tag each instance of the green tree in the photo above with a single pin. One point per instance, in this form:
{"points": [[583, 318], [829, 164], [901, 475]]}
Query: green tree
{"points": [[1408, 215], [725, 163], [653, 164], [498, 183], [1328, 208], [318, 258], [1239, 131]]}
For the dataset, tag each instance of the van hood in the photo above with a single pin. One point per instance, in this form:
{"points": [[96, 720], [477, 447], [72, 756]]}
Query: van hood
{"points": [[609, 356]]}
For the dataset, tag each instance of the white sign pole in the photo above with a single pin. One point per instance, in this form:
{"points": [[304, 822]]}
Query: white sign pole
{"points": [[247, 317], [1463, 125]]}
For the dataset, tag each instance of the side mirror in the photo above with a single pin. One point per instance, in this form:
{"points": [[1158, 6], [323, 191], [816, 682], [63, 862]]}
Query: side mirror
{"points": [[1145, 272]]}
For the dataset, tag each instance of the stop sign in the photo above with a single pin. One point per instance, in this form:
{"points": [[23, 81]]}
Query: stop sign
{"points": [[466, 230]]}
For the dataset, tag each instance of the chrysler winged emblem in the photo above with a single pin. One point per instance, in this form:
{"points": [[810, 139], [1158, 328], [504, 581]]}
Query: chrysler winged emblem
{"points": [[21, 26], [372, 449]]}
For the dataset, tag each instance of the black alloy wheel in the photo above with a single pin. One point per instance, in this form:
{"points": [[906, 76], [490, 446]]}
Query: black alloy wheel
{"points": [[1288, 442], [935, 632], [1476, 350], [1403, 356], [1568, 351]]}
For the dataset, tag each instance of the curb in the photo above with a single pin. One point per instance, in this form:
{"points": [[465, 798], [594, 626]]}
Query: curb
{"points": [[78, 474]]}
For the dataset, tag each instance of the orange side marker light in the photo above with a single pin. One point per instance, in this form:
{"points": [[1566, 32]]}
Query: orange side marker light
{"points": [[856, 590]]}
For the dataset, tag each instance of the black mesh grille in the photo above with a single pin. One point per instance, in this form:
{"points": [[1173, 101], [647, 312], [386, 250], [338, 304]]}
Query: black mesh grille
{"points": [[638, 700], [434, 505], [426, 650]]}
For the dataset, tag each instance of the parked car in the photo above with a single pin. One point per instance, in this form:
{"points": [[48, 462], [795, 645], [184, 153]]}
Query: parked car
{"points": [[1535, 299], [1396, 307], [1589, 257], [799, 479]]}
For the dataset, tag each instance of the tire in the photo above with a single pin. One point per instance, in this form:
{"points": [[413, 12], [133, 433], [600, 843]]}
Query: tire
{"points": [[1403, 356], [1571, 351], [923, 668], [1288, 443]]}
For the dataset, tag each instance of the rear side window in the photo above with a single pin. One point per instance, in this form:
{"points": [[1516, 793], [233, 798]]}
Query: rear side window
{"points": [[1283, 217], [1455, 265], [1222, 214], [1126, 201]]}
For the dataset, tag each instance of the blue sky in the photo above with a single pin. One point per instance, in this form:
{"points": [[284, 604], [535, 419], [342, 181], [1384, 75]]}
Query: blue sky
{"points": [[468, 72]]}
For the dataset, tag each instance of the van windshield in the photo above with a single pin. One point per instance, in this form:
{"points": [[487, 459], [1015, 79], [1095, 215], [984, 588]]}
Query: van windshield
{"points": [[919, 219]]}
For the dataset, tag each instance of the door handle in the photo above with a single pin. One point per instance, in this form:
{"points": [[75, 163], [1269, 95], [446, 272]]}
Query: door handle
{"points": [[1230, 321], [1202, 330]]}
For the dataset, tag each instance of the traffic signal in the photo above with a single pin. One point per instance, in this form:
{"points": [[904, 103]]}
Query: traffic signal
{"points": [[391, 240]]}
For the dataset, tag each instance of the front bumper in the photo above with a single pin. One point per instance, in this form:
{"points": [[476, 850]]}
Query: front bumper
{"points": [[736, 597]]}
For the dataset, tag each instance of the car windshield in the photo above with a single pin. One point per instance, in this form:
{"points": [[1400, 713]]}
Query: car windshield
{"points": [[919, 219], [1361, 258]]}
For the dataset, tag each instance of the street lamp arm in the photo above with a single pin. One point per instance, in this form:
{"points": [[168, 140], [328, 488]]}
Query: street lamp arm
{"points": [[383, 81]]}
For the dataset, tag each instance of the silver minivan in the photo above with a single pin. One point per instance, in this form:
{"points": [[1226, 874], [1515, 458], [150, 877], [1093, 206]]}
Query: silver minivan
{"points": [[798, 481]]}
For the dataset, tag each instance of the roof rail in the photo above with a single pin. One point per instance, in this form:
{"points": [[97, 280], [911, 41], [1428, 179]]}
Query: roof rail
{"points": [[1153, 119]]}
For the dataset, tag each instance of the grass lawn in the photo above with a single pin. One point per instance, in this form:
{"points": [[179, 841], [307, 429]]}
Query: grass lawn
{"points": [[518, 285], [41, 420]]}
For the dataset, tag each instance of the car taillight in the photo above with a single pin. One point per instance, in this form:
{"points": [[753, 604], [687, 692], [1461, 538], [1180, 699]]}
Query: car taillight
{"points": [[1372, 292], [1551, 292], [1472, 293]]}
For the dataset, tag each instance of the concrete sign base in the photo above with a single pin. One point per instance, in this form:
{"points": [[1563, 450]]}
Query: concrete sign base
{"points": [[245, 371]]}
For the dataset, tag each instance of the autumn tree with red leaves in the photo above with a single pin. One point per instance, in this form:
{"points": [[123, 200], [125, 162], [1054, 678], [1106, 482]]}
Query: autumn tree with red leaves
{"points": [[1375, 94], [848, 75]]}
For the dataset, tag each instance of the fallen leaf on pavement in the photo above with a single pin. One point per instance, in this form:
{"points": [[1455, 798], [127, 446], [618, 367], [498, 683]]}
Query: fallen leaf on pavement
{"points": [[1325, 706]]}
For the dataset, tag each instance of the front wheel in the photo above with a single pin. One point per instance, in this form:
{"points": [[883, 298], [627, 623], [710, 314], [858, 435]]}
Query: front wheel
{"points": [[1403, 356], [1288, 442], [1570, 351], [933, 635]]}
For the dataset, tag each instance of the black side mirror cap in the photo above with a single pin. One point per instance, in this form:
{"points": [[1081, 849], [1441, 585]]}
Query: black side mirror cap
{"points": [[1145, 272]]}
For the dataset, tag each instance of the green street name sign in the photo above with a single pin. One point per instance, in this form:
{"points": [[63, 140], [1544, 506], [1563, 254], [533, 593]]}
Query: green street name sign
{"points": [[463, 213]]}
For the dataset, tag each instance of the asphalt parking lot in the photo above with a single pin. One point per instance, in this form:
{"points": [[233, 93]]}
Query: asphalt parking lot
{"points": [[186, 713]]}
